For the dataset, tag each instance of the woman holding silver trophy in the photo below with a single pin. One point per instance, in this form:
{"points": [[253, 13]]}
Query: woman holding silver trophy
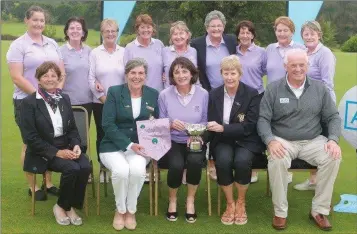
{"points": [[185, 104], [233, 112]]}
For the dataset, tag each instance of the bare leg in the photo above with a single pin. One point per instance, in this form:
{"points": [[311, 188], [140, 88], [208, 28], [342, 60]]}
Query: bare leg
{"points": [[240, 214], [228, 215], [313, 177], [172, 200], [190, 202]]}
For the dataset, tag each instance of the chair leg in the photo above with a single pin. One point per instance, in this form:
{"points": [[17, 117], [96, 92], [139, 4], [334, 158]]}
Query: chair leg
{"points": [[268, 185], [208, 192], [86, 203], [98, 193], [156, 182], [92, 178], [160, 187], [44, 183], [218, 200], [105, 183], [151, 188], [33, 195]]}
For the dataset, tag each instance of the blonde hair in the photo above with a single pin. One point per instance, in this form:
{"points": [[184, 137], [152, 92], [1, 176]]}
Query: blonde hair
{"points": [[285, 21], [109, 22], [231, 62], [180, 25]]}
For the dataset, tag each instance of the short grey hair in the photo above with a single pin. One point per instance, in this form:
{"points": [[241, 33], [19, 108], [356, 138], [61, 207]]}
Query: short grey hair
{"points": [[312, 25], [215, 15], [295, 51], [136, 62]]}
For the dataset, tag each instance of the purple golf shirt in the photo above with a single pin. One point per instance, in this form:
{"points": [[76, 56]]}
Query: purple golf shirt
{"points": [[254, 66], [106, 68], [194, 112], [214, 56], [322, 64], [275, 61], [76, 65], [31, 54], [169, 54], [153, 56]]}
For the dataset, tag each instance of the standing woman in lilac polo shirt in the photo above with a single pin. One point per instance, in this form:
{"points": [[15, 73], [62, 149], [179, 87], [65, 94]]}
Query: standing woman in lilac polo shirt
{"points": [[23, 57], [211, 49], [106, 68], [253, 60], [284, 30], [322, 64], [148, 48], [183, 102], [76, 63], [180, 37]]}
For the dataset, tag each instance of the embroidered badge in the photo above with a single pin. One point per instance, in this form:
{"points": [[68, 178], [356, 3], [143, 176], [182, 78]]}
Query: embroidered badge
{"points": [[284, 100], [196, 108], [240, 117]]}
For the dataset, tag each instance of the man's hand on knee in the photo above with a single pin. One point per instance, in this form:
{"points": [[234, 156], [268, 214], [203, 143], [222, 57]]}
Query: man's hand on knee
{"points": [[333, 149], [276, 149]]}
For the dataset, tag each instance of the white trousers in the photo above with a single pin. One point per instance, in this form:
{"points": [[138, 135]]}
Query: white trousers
{"points": [[313, 152], [128, 175]]}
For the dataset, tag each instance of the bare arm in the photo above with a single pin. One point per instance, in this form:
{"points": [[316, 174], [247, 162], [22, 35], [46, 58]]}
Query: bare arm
{"points": [[17, 76]]}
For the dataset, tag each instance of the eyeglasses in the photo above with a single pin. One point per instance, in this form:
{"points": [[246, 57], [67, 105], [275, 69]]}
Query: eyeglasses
{"points": [[216, 26], [110, 31]]}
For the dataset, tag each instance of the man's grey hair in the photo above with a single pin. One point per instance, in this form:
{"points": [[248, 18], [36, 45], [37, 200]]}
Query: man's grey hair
{"points": [[136, 62], [295, 51], [215, 15]]}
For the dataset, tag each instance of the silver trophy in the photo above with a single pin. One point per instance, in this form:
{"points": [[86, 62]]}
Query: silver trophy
{"points": [[195, 131]]}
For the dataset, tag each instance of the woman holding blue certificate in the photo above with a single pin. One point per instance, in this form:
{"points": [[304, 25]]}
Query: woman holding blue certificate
{"points": [[119, 150], [184, 103]]}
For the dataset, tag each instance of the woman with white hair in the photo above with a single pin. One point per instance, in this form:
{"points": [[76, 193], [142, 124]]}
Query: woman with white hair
{"points": [[211, 49]]}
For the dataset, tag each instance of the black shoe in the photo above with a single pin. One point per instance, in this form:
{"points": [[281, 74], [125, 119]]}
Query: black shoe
{"points": [[171, 216], [39, 195], [53, 190], [191, 218]]}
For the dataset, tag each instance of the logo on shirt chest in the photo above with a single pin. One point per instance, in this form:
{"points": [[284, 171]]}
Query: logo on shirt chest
{"points": [[196, 108], [284, 100]]}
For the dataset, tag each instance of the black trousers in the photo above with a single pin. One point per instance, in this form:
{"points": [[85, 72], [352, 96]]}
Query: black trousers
{"points": [[179, 158], [97, 114], [74, 180], [229, 157]]}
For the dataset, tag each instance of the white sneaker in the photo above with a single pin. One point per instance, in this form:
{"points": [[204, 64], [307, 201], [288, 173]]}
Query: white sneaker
{"points": [[254, 179], [304, 186]]}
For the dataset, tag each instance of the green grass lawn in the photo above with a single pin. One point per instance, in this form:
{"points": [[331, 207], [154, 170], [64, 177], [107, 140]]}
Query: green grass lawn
{"points": [[16, 204], [18, 29]]}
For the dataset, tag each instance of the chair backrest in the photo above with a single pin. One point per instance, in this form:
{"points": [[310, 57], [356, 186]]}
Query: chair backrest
{"points": [[82, 123]]}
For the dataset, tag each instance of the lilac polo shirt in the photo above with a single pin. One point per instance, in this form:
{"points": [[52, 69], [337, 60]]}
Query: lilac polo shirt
{"points": [[214, 56], [322, 64], [254, 66], [275, 60], [195, 111], [106, 68], [169, 54], [76, 65], [31, 54], [153, 56]]}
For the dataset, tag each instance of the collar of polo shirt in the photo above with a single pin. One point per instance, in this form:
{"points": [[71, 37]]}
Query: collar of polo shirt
{"points": [[209, 43], [44, 39], [192, 91], [290, 44], [137, 43]]}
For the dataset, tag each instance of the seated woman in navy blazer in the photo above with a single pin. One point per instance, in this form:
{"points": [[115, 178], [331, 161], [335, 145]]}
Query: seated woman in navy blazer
{"points": [[49, 128], [233, 112]]}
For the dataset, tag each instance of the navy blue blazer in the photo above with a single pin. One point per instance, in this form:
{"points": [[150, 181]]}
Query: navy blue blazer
{"points": [[242, 127], [200, 45]]}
